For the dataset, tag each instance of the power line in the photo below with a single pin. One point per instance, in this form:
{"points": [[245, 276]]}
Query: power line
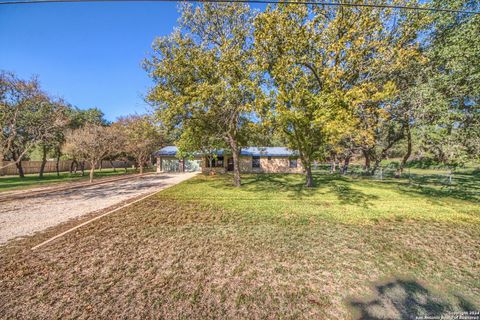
{"points": [[332, 4]]}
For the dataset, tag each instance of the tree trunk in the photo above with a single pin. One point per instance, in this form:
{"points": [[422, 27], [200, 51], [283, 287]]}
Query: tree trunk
{"points": [[82, 165], [100, 165], [73, 165], [21, 174], [92, 169], [308, 175], [407, 155], [383, 154], [375, 166], [236, 162], [367, 159], [18, 164], [57, 167], [44, 161], [345, 165], [140, 166], [334, 163]]}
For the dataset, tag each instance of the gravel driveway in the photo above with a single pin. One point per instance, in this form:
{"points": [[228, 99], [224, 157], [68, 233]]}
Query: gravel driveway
{"points": [[27, 216]]}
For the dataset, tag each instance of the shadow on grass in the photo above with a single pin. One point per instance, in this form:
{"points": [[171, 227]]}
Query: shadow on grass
{"points": [[462, 188], [457, 192], [347, 195], [405, 300], [294, 187], [287, 183]]}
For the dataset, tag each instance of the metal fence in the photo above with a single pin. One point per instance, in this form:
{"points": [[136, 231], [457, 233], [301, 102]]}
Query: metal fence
{"points": [[444, 176]]}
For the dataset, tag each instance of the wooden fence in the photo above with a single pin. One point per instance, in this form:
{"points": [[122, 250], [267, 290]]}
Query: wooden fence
{"points": [[30, 167]]}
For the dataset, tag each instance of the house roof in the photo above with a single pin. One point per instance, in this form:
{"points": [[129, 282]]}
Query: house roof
{"points": [[268, 151], [249, 151], [167, 151]]}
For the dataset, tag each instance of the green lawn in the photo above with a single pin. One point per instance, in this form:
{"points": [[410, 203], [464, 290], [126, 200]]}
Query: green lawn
{"points": [[283, 198], [32, 180], [350, 247]]}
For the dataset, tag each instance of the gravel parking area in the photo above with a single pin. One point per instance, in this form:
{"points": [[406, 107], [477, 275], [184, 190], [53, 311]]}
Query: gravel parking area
{"points": [[27, 216]]}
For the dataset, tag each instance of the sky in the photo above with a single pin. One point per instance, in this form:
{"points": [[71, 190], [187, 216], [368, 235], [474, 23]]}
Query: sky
{"points": [[89, 54]]}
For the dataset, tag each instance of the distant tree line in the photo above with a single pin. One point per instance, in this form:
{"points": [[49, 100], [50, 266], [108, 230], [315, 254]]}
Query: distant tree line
{"points": [[34, 121], [331, 82]]}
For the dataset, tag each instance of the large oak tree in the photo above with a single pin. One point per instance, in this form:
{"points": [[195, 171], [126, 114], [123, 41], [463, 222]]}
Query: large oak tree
{"points": [[28, 116], [204, 76], [324, 66], [449, 122]]}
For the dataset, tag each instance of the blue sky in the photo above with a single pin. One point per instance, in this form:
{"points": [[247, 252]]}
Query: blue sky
{"points": [[90, 54]]}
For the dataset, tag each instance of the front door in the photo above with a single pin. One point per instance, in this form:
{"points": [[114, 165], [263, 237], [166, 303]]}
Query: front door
{"points": [[230, 164]]}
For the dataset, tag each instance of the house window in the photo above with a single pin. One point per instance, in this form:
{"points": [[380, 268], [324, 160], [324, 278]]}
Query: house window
{"points": [[293, 163], [256, 162], [218, 162]]}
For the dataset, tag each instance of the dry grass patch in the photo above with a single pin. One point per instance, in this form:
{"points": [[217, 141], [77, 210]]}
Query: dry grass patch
{"points": [[183, 256]]}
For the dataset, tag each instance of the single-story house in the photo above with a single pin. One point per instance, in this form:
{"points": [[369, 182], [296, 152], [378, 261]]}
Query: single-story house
{"points": [[252, 160]]}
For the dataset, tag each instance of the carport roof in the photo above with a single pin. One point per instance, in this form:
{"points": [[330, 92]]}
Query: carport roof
{"points": [[249, 151], [167, 151]]}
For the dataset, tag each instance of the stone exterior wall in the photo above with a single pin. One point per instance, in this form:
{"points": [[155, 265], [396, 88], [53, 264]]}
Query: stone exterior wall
{"points": [[278, 165], [274, 165], [214, 170], [246, 164]]}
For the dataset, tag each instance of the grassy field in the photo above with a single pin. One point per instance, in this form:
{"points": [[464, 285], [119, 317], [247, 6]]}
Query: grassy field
{"points": [[32, 180], [350, 247]]}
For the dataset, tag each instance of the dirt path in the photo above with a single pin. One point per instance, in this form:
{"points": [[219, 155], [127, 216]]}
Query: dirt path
{"points": [[27, 216]]}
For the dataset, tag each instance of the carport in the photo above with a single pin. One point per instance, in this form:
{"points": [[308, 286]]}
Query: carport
{"points": [[167, 161]]}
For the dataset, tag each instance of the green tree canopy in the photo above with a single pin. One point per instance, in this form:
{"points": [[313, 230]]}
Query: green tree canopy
{"points": [[332, 72], [139, 137], [449, 123], [205, 81]]}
